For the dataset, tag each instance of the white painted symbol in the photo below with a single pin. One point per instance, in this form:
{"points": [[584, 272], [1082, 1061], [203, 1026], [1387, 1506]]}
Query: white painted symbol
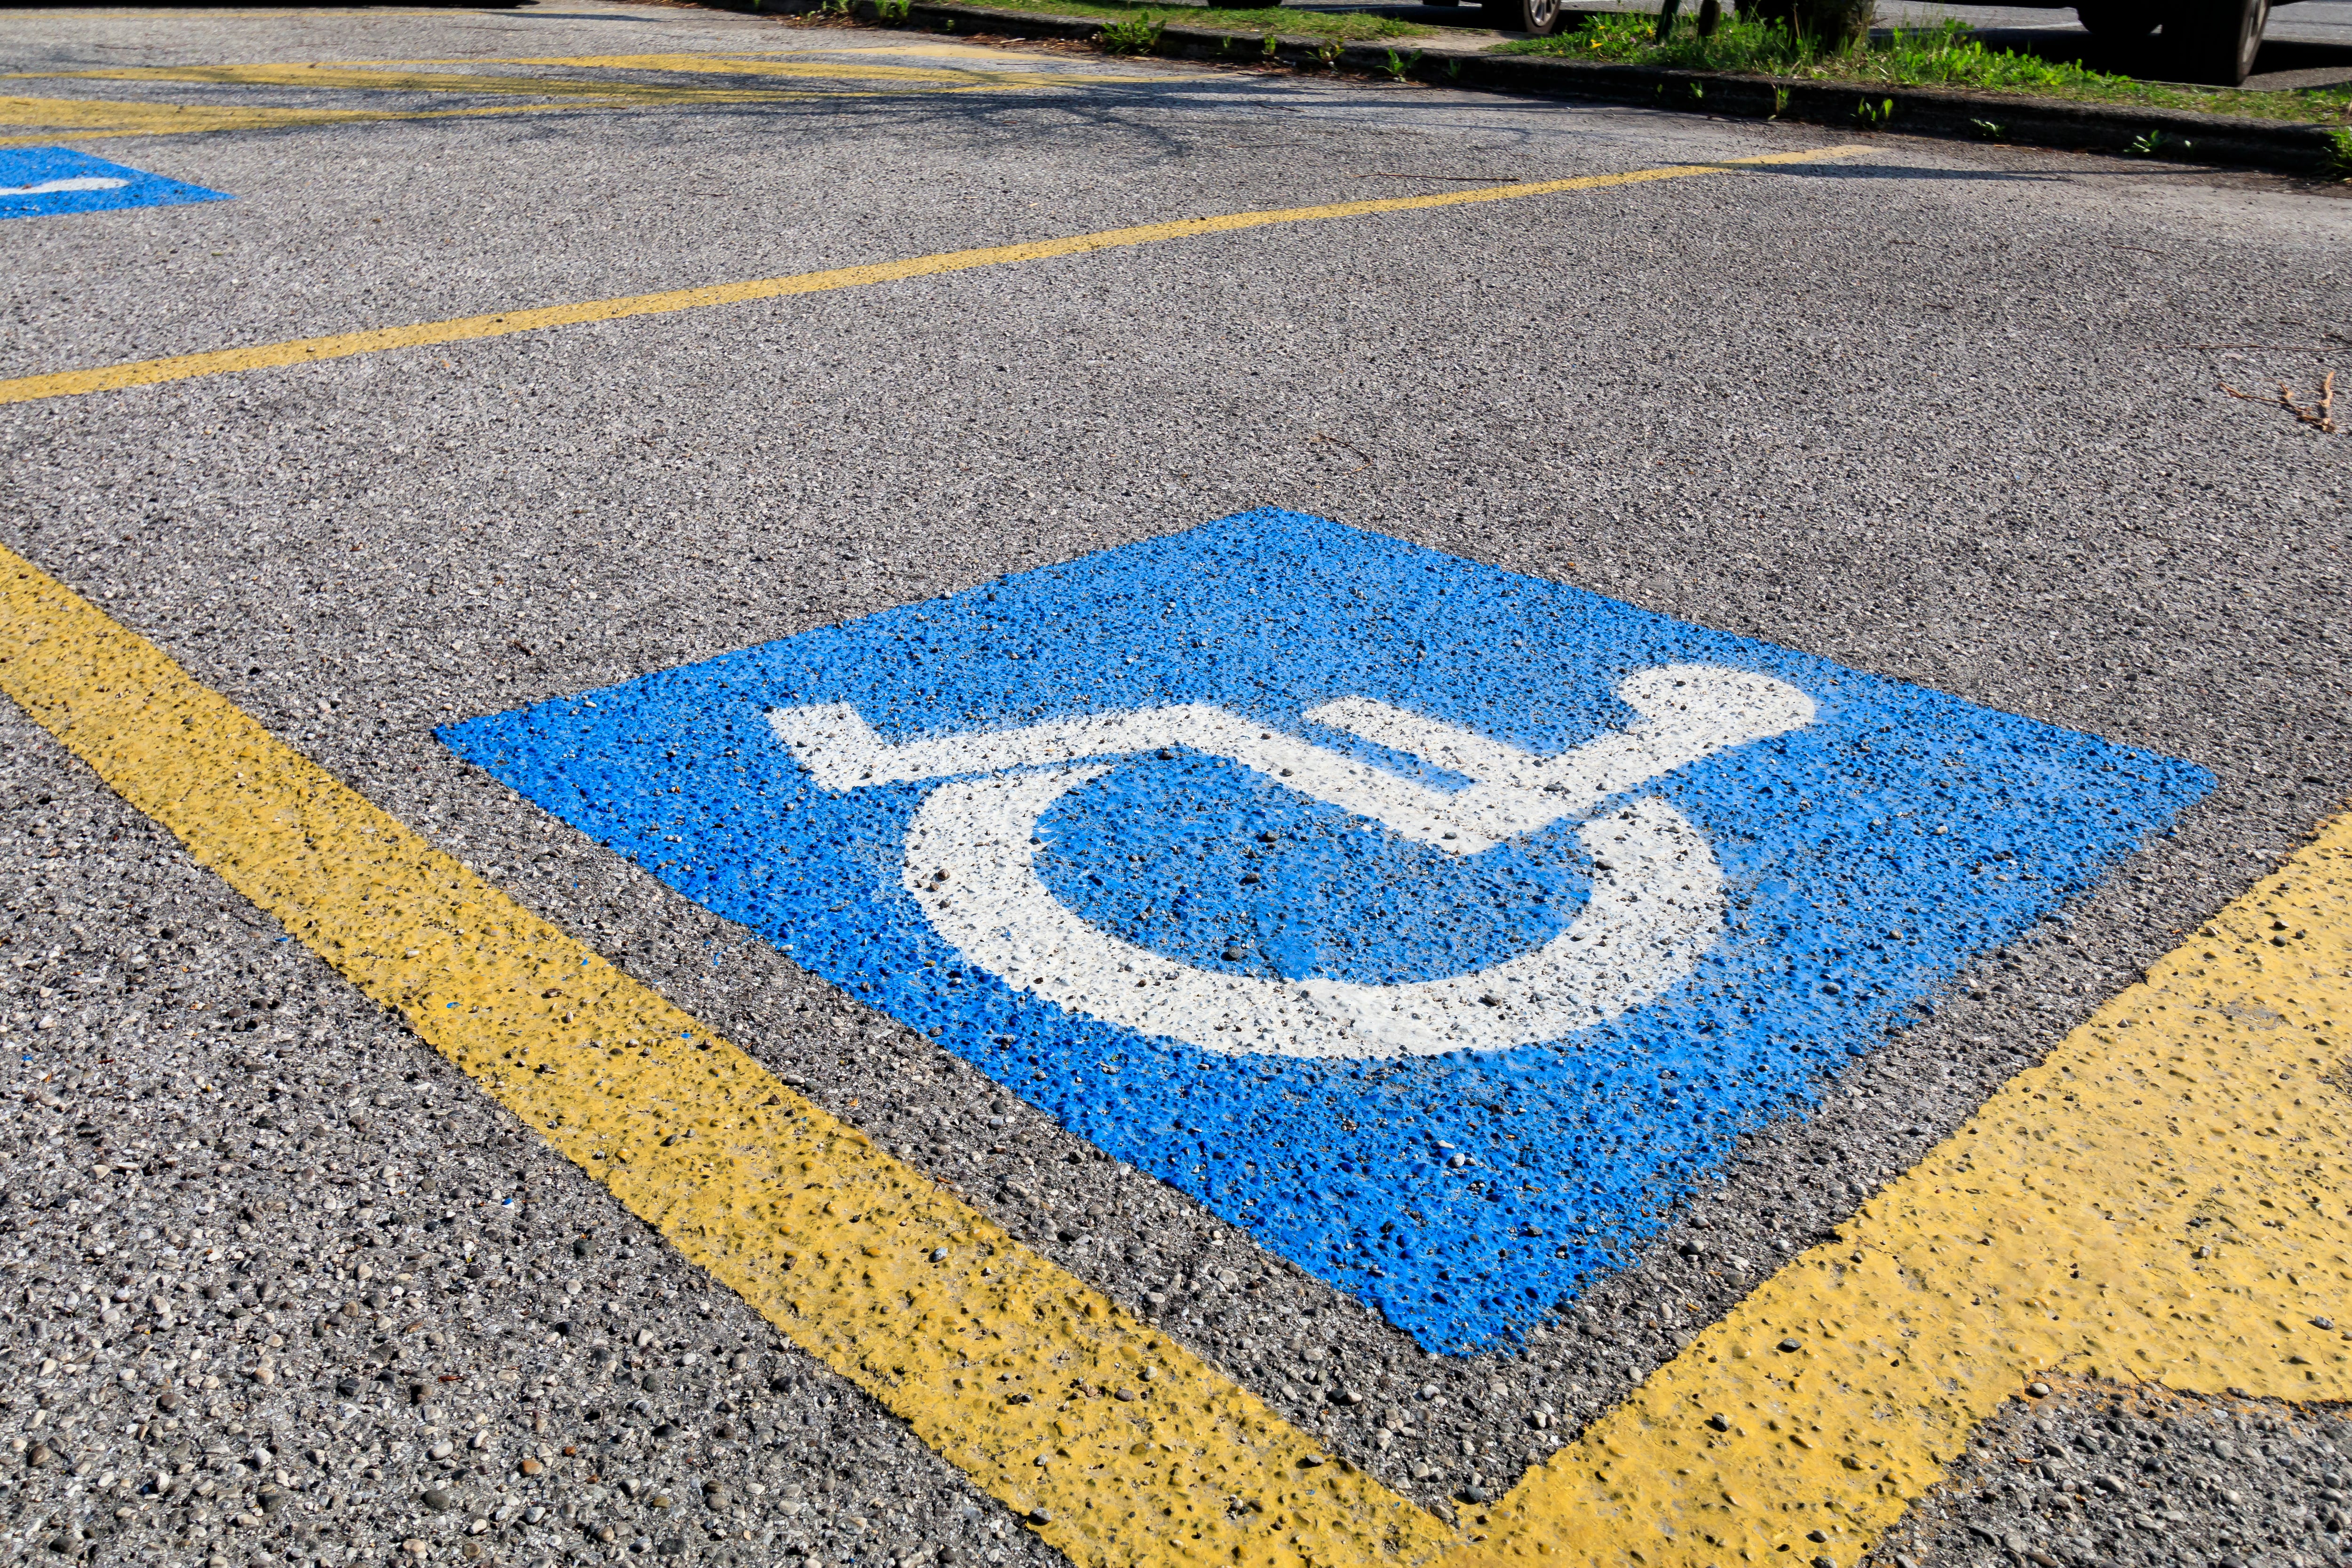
{"points": [[79, 183], [1655, 907]]}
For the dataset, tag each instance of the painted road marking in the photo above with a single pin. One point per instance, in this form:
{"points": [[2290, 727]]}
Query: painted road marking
{"points": [[92, 118], [350, 78], [1155, 838], [1117, 1444], [44, 182], [88, 119], [45, 187], [2167, 1199], [1650, 917], [304, 351]]}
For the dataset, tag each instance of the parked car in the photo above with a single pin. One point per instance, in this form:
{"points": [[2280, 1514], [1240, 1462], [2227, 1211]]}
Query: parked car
{"points": [[2197, 40]]}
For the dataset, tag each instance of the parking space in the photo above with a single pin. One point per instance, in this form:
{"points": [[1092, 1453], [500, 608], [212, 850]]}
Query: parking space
{"points": [[790, 793]]}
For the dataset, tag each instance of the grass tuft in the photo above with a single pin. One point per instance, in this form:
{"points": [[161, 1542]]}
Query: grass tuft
{"points": [[1136, 35], [1937, 57]]}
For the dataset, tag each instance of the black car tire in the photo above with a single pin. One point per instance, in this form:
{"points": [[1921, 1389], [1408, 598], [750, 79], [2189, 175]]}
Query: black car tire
{"points": [[2118, 21], [1542, 17], [2214, 40]]}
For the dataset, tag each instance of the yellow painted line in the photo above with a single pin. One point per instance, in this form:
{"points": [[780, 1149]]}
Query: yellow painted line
{"points": [[2167, 1199], [89, 118], [1119, 1445], [335, 79], [722, 65], [348, 79], [303, 351], [86, 118]]}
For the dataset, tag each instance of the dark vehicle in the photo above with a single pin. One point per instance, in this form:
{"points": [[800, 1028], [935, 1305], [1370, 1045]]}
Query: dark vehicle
{"points": [[2196, 40], [2199, 40]]}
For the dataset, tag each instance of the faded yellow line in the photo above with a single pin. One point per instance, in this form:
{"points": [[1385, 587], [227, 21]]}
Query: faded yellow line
{"points": [[721, 64], [2167, 1199], [331, 78], [351, 78], [1115, 1443], [89, 118], [302, 350]]}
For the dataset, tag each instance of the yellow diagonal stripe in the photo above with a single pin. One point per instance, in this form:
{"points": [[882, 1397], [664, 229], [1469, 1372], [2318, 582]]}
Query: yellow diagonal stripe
{"points": [[84, 119], [728, 65], [341, 78], [1117, 1443], [351, 78], [302, 350], [2169, 1198]]}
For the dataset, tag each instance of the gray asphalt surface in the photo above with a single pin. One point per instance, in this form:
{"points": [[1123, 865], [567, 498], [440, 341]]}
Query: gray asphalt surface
{"points": [[1946, 414]]}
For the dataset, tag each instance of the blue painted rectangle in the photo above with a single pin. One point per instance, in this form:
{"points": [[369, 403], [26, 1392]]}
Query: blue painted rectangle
{"points": [[41, 182], [1835, 874]]}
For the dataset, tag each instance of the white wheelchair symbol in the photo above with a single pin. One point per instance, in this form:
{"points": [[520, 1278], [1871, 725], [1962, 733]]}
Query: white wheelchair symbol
{"points": [[1655, 908]]}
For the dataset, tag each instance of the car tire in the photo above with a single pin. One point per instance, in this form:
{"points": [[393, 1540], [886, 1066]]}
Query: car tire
{"points": [[1542, 17], [2214, 40], [2118, 21]]}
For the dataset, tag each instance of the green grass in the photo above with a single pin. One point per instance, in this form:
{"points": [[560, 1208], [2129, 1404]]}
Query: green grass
{"points": [[1944, 57], [1344, 27]]}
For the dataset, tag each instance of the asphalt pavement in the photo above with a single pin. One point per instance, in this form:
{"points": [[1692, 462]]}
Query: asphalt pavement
{"points": [[277, 1282]]}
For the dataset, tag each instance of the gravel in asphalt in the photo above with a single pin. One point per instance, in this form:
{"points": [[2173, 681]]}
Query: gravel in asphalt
{"points": [[1948, 415]]}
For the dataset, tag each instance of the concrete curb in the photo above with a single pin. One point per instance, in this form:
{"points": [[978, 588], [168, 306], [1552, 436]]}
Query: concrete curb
{"points": [[2007, 117]]}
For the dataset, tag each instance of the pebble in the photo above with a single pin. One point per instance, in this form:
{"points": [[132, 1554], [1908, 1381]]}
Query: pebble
{"points": [[439, 1502]]}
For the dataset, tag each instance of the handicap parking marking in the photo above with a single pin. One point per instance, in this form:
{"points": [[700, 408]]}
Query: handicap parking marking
{"points": [[1437, 925], [43, 182]]}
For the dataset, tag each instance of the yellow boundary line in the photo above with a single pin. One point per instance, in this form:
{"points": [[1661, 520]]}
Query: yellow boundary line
{"points": [[2169, 1198], [505, 323], [1117, 1444], [405, 76], [91, 119]]}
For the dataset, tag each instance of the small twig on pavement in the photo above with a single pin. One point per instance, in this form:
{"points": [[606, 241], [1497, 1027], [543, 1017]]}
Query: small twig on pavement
{"points": [[2322, 419], [1362, 462], [1462, 179]]}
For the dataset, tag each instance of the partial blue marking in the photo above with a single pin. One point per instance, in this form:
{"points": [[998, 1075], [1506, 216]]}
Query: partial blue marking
{"points": [[1867, 857], [24, 171]]}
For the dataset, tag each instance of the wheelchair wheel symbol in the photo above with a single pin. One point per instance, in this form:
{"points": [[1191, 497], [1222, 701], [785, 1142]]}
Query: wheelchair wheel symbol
{"points": [[1655, 908]]}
